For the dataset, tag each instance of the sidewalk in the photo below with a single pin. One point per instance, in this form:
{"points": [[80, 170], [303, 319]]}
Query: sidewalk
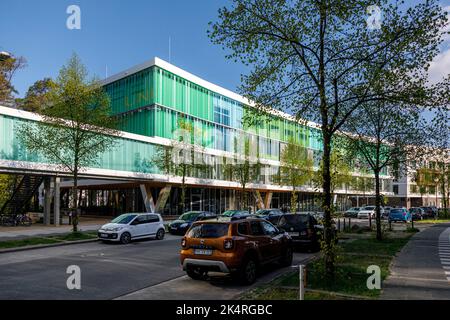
{"points": [[419, 271], [36, 230]]}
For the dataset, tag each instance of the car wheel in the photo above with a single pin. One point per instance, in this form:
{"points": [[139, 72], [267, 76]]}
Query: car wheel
{"points": [[195, 273], [125, 238], [247, 273], [286, 259], [160, 234]]}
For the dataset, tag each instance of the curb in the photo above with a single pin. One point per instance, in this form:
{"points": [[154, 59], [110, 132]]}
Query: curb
{"points": [[42, 246]]}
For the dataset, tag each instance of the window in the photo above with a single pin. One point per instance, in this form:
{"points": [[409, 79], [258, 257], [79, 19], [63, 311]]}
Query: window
{"points": [[152, 218], [243, 228], [257, 229], [268, 229]]}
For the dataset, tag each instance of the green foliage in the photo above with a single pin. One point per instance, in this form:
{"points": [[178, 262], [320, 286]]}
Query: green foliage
{"points": [[37, 96], [340, 171], [8, 68], [296, 169], [77, 124]]}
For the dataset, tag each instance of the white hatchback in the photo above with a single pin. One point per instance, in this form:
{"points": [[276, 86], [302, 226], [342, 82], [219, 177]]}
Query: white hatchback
{"points": [[132, 226]]}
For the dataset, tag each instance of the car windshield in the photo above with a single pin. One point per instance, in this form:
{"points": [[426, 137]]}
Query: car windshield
{"points": [[369, 208], [293, 219], [414, 210], [262, 212], [396, 210], [209, 230], [231, 213], [124, 218], [189, 216]]}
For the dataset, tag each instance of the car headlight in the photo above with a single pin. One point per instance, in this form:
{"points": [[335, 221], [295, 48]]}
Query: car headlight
{"points": [[117, 228], [183, 225]]}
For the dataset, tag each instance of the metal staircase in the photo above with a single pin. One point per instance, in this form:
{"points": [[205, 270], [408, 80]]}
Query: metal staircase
{"points": [[20, 199]]}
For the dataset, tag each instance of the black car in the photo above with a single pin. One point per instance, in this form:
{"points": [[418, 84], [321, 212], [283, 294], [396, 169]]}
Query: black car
{"points": [[184, 222], [417, 213], [303, 228], [269, 214], [429, 213]]}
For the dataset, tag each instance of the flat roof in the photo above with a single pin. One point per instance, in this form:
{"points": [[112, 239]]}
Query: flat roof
{"points": [[201, 82]]}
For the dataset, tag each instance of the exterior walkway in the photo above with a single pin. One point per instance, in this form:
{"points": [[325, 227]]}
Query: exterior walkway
{"points": [[422, 269], [16, 233]]}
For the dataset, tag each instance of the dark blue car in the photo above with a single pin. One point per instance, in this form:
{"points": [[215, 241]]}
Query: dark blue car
{"points": [[184, 222]]}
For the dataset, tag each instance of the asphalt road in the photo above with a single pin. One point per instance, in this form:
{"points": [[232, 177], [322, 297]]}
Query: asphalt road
{"points": [[108, 271]]}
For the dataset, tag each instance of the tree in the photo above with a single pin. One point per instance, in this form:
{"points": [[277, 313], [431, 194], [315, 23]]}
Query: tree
{"points": [[9, 65], [245, 168], [296, 169], [385, 134], [318, 59], [37, 96], [340, 171], [76, 126]]}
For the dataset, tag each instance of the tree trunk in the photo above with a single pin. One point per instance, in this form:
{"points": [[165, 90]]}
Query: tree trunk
{"points": [[183, 191], [293, 201], [75, 202], [326, 205], [378, 205]]}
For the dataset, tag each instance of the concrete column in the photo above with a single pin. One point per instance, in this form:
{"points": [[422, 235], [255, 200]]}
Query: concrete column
{"points": [[259, 200], [268, 199], [148, 198], [56, 202], [47, 200], [162, 198]]}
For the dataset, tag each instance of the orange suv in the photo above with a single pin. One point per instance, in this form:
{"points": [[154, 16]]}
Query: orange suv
{"points": [[235, 246]]}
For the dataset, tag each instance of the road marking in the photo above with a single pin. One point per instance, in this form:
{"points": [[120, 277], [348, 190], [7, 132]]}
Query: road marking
{"points": [[444, 251]]}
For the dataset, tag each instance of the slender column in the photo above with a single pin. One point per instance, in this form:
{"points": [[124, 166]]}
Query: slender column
{"points": [[268, 199], [148, 198], [47, 200], [162, 198], [57, 202]]}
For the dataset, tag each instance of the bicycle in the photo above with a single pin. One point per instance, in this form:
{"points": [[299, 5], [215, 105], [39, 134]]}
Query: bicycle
{"points": [[22, 219]]}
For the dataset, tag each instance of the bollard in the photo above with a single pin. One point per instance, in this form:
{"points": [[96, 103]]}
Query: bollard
{"points": [[370, 221], [350, 224], [343, 229], [301, 291], [339, 225]]}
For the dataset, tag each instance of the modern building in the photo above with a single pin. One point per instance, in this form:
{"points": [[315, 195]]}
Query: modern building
{"points": [[155, 102]]}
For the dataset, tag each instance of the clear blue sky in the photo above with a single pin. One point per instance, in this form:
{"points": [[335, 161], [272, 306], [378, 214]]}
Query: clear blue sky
{"points": [[116, 33], [119, 34]]}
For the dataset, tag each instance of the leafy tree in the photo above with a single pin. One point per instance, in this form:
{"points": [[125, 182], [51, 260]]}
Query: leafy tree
{"points": [[319, 60], [244, 168], [77, 125], [37, 96], [385, 134], [8, 68], [296, 169], [340, 171]]}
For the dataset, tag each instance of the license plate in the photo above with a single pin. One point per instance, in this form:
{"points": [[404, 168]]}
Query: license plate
{"points": [[294, 234], [205, 252], [103, 235]]}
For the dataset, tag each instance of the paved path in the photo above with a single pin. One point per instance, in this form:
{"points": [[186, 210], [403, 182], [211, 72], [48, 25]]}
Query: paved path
{"points": [[16, 233], [421, 270], [216, 287]]}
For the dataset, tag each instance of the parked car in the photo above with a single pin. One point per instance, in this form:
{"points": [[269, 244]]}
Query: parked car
{"points": [[386, 211], [435, 211], [303, 228], [131, 226], [236, 213], [352, 212], [235, 246], [428, 212], [399, 214], [271, 215], [417, 213], [184, 222], [366, 211]]}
